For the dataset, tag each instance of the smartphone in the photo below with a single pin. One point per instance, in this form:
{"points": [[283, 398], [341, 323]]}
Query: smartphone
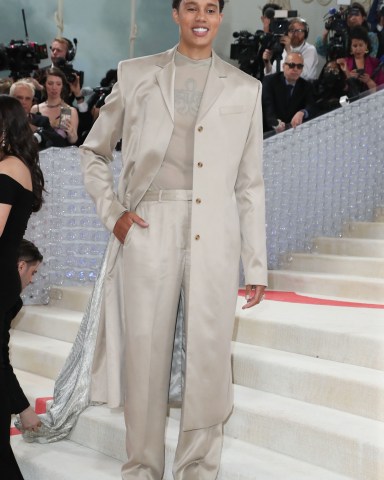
{"points": [[65, 117], [360, 71]]}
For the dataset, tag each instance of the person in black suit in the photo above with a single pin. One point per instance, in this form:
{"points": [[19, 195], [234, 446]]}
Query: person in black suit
{"points": [[29, 261], [287, 98]]}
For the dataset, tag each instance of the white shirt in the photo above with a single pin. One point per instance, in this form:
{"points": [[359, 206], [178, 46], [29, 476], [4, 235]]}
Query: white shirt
{"points": [[310, 57]]}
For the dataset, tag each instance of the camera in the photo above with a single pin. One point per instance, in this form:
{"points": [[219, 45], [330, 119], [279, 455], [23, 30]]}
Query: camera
{"points": [[21, 58], [97, 99], [248, 48], [69, 72], [336, 23]]}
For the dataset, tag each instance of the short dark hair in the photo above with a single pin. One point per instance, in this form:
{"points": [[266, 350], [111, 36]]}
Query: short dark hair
{"points": [[28, 252], [274, 6], [176, 4], [359, 33]]}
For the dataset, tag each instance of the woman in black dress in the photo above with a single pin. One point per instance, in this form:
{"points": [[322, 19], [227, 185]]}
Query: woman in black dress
{"points": [[21, 188]]}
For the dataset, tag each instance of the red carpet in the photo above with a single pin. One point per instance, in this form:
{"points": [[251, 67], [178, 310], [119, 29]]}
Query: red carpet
{"points": [[292, 297]]}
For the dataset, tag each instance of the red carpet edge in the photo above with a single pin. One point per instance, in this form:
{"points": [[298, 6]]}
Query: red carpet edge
{"points": [[291, 297]]}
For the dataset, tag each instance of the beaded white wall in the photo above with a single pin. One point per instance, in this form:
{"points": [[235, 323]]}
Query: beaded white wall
{"points": [[326, 172]]}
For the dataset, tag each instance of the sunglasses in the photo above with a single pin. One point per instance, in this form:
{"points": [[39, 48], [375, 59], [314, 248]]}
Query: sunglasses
{"points": [[292, 65]]}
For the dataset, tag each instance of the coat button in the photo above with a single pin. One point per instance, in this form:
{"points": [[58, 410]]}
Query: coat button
{"points": [[200, 128], [198, 200], [197, 237], [200, 164]]}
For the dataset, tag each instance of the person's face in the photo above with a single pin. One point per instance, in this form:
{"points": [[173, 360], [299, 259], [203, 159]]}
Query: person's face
{"points": [[358, 48], [296, 33], [355, 20], [53, 86], [292, 74], [266, 23], [58, 50], [25, 97], [27, 271], [199, 22]]}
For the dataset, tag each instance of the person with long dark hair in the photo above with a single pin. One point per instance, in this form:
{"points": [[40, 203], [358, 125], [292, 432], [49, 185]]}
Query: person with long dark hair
{"points": [[21, 193], [56, 90]]}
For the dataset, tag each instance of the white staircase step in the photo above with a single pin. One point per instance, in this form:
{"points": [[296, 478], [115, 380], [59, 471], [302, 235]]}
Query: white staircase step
{"points": [[337, 264], [36, 354], [48, 321], [349, 246], [72, 298], [63, 460], [356, 288], [319, 435], [34, 386], [374, 230], [103, 429], [337, 385], [322, 436], [342, 334]]}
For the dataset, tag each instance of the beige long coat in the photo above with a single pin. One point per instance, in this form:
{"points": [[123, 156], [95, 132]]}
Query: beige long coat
{"points": [[228, 221]]}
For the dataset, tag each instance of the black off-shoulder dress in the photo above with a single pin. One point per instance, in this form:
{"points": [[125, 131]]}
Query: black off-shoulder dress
{"points": [[12, 398]]}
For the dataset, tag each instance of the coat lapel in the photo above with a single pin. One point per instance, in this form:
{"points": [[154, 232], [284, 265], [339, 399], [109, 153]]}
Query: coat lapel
{"points": [[166, 80], [213, 87]]}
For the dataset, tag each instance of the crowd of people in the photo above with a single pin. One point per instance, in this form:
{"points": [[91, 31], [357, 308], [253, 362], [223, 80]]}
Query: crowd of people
{"points": [[293, 89], [60, 114]]}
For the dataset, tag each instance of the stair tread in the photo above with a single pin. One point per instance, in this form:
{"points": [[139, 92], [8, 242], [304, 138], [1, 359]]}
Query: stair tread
{"points": [[66, 460], [308, 364], [330, 256], [322, 418], [32, 341], [329, 276], [365, 322]]}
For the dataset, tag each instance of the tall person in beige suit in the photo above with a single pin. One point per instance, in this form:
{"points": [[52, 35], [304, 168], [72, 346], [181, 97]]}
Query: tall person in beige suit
{"points": [[189, 203]]}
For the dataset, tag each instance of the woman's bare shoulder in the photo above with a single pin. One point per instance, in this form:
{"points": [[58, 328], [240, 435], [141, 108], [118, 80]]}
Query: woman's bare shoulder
{"points": [[16, 169]]}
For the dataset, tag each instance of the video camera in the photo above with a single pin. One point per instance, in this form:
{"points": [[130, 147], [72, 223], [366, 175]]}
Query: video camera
{"points": [[69, 72], [336, 24], [21, 58], [248, 48]]}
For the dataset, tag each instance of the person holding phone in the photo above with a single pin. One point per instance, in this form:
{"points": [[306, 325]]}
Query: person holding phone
{"points": [[64, 119], [361, 69]]}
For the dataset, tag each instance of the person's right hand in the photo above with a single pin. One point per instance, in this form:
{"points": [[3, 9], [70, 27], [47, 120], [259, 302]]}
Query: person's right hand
{"points": [[29, 419], [267, 55], [125, 222]]}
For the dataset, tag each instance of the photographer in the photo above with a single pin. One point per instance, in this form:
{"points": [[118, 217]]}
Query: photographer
{"points": [[267, 14], [295, 41], [335, 39], [62, 53], [248, 48]]}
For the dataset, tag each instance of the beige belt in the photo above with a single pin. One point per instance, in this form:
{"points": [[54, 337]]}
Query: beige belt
{"points": [[168, 195]]}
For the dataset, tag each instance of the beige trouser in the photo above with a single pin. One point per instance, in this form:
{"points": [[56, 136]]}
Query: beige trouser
{"points": [[157, 266]]}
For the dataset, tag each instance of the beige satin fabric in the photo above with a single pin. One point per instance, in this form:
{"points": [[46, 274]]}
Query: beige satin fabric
{"points": [[227, 219], [153, 289]]}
